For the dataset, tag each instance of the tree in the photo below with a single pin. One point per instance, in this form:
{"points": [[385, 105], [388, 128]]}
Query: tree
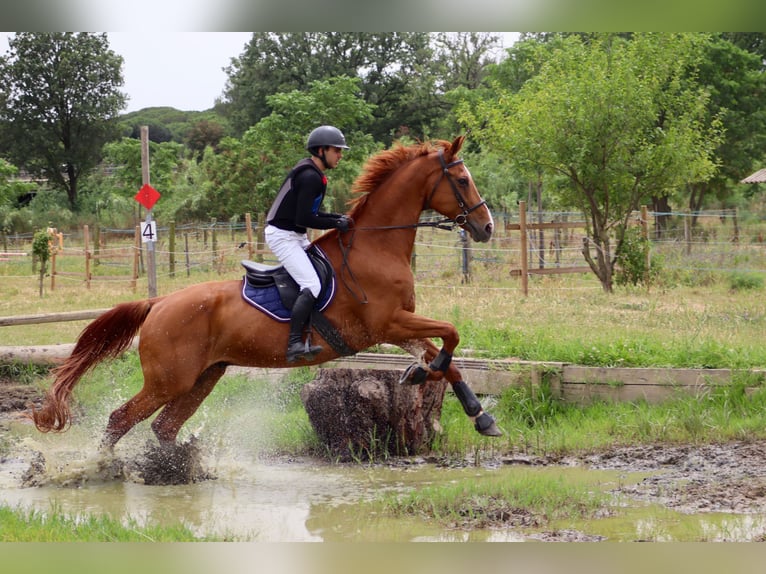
{"points": [[389, 65], [246, 174], [734, 79], [165, 159], [61, 104], [616, 120]]}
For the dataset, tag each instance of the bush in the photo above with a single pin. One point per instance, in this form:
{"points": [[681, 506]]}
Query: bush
{"points": [[745, 282], [631, 267]]}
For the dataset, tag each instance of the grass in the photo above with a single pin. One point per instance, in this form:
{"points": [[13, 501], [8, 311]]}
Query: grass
{"points": [[33, 526], [524, 499]]}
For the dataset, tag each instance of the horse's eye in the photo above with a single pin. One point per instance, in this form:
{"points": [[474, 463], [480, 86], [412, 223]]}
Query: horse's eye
{"points": [[463, 181]]}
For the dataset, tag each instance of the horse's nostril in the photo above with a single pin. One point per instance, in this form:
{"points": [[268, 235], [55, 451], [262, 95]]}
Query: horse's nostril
{"points": [[489, 227]]}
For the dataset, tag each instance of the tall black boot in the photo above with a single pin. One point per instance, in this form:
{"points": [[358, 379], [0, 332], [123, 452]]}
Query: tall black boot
{"points": [[296, 348]]}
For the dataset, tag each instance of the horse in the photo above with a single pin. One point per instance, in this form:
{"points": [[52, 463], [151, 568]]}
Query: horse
{"points": [[189, 337]]}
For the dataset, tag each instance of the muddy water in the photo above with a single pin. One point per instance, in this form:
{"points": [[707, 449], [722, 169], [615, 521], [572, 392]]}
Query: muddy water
{"points": [[256, 499]]}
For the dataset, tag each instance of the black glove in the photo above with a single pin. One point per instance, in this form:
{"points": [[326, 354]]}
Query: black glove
{"points": [[343, 223]]}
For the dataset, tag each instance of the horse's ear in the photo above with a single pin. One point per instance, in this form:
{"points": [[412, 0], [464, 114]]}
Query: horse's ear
{"points": [[457, 143]]}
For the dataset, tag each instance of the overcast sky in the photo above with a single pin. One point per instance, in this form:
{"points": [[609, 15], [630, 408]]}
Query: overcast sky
{"points": [[183, 70]]}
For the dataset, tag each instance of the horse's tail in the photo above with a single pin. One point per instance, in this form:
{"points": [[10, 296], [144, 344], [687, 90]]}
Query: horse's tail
{"points": [[107, 337]]}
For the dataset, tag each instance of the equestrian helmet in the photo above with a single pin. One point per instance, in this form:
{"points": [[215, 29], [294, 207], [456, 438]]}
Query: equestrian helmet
{"points": [[326, 136]]}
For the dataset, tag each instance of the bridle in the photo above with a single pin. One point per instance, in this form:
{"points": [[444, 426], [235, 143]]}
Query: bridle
{"points": [[461, 219], [446, 223]]}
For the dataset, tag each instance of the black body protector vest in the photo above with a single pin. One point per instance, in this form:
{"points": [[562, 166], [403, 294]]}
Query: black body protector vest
{"points": [[283, 210]]}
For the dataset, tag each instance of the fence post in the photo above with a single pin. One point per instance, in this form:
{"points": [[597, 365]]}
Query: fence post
{"points": [[186, 252], [97, 246], [53, 270], [645, 236], [466, 256], [172, 249], [136, 255], [249, 235], [261, 244], [523, 248], [214, 239], [86, 242]]}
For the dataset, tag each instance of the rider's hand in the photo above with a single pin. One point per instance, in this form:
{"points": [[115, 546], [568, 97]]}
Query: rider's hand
{"points": [[343, 223]]}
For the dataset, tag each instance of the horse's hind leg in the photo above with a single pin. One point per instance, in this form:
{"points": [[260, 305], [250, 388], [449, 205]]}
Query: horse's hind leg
{"points": [[129, 415], [179, 410]]}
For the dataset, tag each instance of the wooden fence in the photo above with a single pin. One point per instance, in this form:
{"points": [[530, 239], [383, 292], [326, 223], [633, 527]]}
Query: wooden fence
{"points": [[570, 383]]}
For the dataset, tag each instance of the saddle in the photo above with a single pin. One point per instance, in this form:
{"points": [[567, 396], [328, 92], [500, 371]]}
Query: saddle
{"points": [[271, 289], [275, 277]]}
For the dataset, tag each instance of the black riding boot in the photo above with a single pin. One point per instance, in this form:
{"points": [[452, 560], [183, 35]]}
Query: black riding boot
{"points": [[296, 348]]}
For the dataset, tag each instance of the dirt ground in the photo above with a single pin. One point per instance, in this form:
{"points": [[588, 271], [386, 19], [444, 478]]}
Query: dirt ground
{"points": [[690, 478]]}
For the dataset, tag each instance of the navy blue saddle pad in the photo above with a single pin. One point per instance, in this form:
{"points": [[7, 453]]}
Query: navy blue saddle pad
{"points": [[273, 291]]}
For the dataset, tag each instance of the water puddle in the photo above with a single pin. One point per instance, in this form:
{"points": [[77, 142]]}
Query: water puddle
{"points": [[253, 498]]}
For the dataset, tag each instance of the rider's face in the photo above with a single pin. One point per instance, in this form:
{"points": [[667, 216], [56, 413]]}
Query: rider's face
{"points": [[332, 156]]}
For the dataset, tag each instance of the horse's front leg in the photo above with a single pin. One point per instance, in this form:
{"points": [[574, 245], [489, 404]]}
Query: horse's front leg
{"points": [[483, 422], [440, 365]]}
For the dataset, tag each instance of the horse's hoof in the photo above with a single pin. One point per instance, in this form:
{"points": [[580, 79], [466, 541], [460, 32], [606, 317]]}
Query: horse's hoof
{"points": [[486, 426], [413, 375]]}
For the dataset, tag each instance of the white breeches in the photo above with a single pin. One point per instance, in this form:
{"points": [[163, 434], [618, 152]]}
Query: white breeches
{"points": [[290, 248]]}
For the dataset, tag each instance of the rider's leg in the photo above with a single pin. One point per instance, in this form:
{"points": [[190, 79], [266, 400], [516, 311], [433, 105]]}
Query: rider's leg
{"points": [[296, 348], [290, 248]]}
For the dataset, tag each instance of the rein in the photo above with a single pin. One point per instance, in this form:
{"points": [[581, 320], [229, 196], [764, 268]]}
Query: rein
{"points": [[446, 224]]}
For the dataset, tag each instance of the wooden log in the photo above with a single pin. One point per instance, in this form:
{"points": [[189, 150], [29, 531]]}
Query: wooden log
{"points": [[367, 414], [37, 355], [51, 317]]}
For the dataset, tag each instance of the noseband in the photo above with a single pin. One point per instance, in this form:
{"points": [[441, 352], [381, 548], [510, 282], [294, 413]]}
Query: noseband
{"points": [[461, 219]]}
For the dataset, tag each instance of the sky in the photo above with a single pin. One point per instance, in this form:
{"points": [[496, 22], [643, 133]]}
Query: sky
{"points": [[183, 70]]}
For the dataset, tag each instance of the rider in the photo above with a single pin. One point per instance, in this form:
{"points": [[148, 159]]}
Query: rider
{"points": [[296, 209]]}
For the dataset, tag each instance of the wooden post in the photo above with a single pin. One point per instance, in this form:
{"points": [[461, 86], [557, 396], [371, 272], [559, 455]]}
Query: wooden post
{"points": [[97, 245], [186, 252], [523, 248], [151, 268], [466, 256], [136, 253], [214, 238], [541, 232], [261, 242], [172, 249], [687, 231], [249, 235], [53, 270], [86, 242], [645, 235]]}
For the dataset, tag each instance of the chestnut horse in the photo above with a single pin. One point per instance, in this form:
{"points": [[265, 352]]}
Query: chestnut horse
{"points": [[189, 337]]}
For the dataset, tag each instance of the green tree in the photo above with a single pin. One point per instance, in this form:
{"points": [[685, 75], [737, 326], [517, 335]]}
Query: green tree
{"points": [[616, 120], [246, 174], [734, 79], [165, 161], [389, 65], [61, 100], [11, 191]]}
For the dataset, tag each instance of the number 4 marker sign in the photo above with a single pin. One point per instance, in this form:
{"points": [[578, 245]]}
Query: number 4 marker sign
{"points": [[148, 231]]}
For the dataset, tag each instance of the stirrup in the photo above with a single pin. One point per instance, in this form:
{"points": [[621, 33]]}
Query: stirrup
{"points": [[305, 352]]}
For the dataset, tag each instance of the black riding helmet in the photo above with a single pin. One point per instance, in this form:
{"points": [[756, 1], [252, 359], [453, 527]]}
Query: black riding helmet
{"points": [[325, 136]]}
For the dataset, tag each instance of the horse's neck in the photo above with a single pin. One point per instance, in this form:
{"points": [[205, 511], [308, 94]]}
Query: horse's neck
{"points": [[397, 202]]}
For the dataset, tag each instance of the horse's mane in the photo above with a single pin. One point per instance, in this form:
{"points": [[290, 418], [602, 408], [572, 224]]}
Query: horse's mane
{"points": [[381, 165]]}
